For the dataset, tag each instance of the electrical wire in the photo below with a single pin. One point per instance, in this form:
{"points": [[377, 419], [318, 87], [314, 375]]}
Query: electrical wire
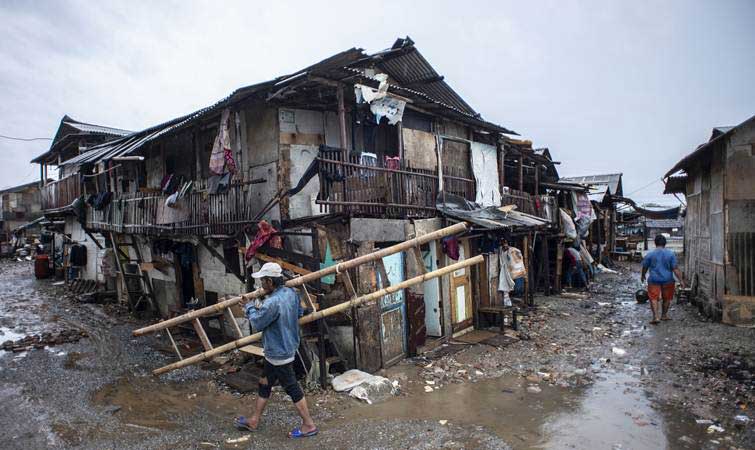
{"points": [[643, 187], [13, 138]]}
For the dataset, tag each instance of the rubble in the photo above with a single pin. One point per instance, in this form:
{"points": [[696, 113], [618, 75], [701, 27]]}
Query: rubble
{"points": [[46, 339]]}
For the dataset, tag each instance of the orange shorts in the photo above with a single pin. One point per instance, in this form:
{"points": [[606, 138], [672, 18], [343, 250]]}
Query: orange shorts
{"points": [[666, 291]]}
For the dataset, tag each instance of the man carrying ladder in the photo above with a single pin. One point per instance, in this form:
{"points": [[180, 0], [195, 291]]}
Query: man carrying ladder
{"points": [[277, 317]]}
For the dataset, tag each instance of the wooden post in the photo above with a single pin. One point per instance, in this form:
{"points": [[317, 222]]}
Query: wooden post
{"points": [[521, 172], [537, 178], [545, 255], [314, 276], [400, 129], [501, 167], [559, 262], [528, 268], [342, 121], [324, 313]]}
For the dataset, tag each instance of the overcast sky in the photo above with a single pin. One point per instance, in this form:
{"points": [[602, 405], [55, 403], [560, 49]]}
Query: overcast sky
{"points": [[608, 86]]}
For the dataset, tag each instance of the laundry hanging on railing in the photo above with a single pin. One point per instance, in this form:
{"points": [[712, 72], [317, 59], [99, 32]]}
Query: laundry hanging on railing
{"points": [[221, 157]]}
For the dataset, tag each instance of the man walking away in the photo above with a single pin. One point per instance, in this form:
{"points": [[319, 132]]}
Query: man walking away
{"points": [[662, 266], [278, 319]]}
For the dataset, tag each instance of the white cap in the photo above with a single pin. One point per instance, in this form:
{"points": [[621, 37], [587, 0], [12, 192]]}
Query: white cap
{"points": [[270, 269]]}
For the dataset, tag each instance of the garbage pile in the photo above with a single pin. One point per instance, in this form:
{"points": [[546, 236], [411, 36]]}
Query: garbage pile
{"points": [[363, 386]]}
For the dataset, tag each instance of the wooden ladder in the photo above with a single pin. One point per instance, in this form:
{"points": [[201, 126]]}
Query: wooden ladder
{"points": [[145, 293]]}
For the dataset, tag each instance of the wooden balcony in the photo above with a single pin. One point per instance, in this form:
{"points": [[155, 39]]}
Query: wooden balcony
{"points": [[355, 188], [196, 213], [60, 194]]}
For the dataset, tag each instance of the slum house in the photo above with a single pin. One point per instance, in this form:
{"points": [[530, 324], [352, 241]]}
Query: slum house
{"points": [[71, 139], [719, 241], [342, 157], [605, 191], [19, 205]]}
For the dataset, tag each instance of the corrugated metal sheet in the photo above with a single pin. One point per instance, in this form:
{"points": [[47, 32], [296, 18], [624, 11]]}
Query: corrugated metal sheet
{"points": [[718, 135], [97, 129], [611, 181], [403, 63], [412, 67]]}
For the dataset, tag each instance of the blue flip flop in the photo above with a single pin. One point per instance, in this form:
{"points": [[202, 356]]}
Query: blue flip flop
{"points": [[296, 433], [241, 423]]}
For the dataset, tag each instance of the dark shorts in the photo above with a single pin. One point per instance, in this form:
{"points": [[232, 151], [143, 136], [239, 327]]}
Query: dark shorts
{"points": [[283, 375]]}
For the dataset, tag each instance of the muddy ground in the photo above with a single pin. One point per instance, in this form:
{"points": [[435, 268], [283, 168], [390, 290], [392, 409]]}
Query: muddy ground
{"points": [[581, 373]]}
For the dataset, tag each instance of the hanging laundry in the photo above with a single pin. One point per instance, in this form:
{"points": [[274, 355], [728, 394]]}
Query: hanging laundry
{"points": [[450, 247], [392, 162], [368, 94], [265, 233], [583, 207], [369, 160], [221, 157], [219, 184], [77, 255], [390, 108]]}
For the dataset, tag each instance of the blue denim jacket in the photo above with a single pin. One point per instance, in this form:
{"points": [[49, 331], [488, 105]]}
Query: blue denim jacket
{"points": [[278, 319]]}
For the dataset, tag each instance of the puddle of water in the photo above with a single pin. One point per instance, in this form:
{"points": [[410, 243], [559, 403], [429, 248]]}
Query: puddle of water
{"points": [[146, 404], [7, 334], [612, 413]]}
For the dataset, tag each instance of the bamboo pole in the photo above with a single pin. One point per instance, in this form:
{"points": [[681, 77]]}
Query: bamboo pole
{"points": [[298, 281], [323, 313]]}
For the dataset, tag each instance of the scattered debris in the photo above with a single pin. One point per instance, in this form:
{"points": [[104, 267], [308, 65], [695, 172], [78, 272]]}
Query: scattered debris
{"points": [[238, 440], [715, 429], [43, 340], [363, 386]]}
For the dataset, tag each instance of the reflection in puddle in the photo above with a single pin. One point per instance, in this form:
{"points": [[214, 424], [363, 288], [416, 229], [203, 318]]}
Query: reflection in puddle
{"points": [[612, 413]]}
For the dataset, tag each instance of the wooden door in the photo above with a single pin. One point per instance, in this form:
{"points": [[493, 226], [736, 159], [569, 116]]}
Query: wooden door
{"points": [[461, 293], [393, 311], [431, 291]]}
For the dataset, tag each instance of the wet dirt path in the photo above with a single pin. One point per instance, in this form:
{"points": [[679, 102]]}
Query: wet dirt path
{"points": [[560, 387]]}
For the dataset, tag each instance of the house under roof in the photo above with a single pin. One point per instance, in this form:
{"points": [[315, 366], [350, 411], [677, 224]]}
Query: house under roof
{"points": [[601, 185], [410, 76], [71, 131], [19, 188], [718, 135]]}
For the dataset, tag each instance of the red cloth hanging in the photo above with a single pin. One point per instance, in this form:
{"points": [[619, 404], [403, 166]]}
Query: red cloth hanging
{"points": [[265, 233]]}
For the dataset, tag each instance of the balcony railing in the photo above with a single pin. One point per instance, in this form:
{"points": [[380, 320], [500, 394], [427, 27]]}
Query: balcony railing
{"points": [[196, 213], [372, 189], [61, 193]]}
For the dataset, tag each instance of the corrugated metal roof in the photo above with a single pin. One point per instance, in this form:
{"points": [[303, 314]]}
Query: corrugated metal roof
{"points": [[97, 129], [665, 223], [71, 129], [128, 144], [491, 218], [612, 181], [410, 68], [717, 136], [403, 62]]}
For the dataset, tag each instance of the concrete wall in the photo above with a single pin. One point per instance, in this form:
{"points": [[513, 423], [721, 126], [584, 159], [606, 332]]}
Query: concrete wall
{"points": [[261, 154], [92, 271], [214, 275]]}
